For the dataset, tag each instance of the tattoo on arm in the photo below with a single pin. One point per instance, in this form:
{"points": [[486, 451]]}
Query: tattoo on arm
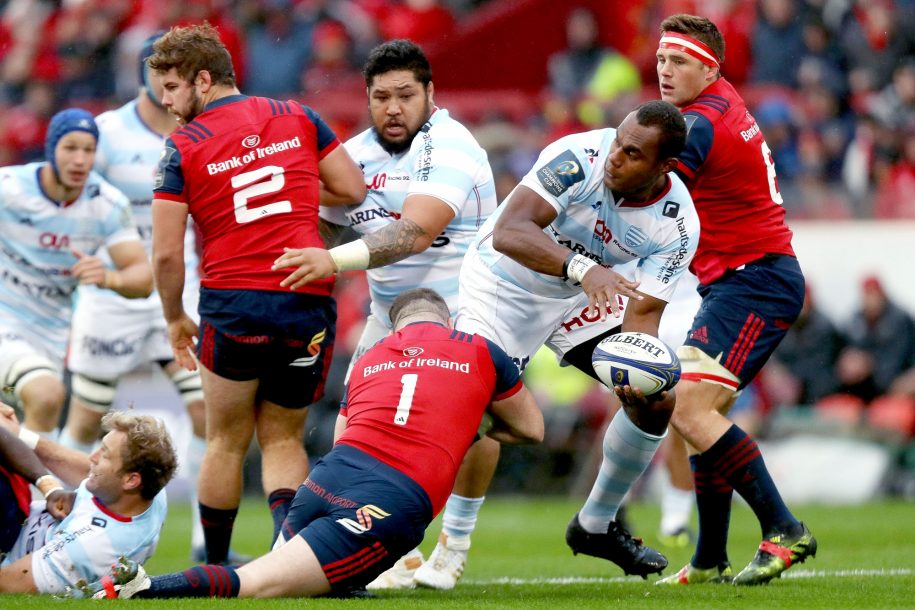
{"points": [[393, 243], [330, 232]]}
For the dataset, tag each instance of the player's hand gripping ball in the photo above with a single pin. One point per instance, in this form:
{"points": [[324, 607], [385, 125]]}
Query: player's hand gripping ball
{"points": [[638, 360]]}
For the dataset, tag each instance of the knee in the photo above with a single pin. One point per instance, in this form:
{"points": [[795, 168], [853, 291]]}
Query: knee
{"points": [[43, 396]]}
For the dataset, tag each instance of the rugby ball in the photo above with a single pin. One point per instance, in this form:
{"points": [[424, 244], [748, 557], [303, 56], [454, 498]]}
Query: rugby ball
{"points": [[638, 360]]}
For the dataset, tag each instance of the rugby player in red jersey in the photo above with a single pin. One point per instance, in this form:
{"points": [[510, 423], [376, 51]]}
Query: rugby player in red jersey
{"points": [[416, 402], [248, 170], [752, 290]]}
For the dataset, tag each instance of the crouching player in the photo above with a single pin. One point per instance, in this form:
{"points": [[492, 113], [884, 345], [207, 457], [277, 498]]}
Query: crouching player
{"points": [[415, 404]]}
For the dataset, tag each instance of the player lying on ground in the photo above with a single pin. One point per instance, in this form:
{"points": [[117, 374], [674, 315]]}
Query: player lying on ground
{"points": [[415, 404], [116, 511]]}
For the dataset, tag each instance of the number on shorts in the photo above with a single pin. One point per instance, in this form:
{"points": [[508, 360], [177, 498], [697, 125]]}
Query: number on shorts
{"points": [[408, 381], [770, 173], [252, 185]]}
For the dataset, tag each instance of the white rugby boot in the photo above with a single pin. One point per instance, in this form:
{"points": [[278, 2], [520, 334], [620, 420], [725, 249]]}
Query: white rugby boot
{"points": [[445, 565]]}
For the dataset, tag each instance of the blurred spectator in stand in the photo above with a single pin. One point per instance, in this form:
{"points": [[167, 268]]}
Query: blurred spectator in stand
{"points": [[895, 197], [880, 344], [778, 43], [894, 106], [22, 135], [874, 37], [27, 52], [867, 162], [331, 67], [777, 124], [422, 21], [571, 69], [829, 122], [280, 49], [821, 61], [802, 369], [592, 75]]}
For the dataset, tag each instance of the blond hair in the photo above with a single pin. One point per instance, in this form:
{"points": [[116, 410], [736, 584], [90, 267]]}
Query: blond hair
{"points": [[148, 450]]}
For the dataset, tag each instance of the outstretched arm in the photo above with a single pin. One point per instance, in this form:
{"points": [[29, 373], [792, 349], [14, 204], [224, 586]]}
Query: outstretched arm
{"points": [[423, 219]]}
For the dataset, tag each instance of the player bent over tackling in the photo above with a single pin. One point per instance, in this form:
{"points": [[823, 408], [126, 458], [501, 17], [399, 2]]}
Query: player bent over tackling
{"points": [[370, 499]]}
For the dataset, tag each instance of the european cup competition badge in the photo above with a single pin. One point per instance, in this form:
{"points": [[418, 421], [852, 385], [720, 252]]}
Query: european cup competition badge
{"points": [[560, 173]]}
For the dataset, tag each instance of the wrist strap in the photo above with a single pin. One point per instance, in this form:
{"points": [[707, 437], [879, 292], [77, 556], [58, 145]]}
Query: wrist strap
{"points": [[578, 267], [351, 256], [48, 478]]}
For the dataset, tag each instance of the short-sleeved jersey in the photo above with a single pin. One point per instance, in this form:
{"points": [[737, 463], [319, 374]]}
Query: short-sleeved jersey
{"points": [[445, 162], [127, 156], [731, 174], [247, 167], [600, 224], [87, 542], [415, 401], [37, 235]]}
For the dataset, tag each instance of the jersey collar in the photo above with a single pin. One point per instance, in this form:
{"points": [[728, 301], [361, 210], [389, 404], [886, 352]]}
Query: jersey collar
{"points": [[229, 99], [111, 513], [621, 201]]}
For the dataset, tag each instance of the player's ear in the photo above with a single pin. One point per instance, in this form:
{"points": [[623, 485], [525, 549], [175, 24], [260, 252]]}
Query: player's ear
{"points": [[203, 79], [132, 481], [430, 91], [669, 164]]}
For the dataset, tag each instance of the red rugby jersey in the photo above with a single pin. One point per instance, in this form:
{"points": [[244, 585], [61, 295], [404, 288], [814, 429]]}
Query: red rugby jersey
{"points": [[21, 490], [729, 170], [247, 167], [415, 401]]}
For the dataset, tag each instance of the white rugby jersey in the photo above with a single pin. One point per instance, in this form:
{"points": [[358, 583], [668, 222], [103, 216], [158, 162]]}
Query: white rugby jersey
{"points": [[36, 238], [599, 224], [87, 542], [127, 156], [445, 162]]}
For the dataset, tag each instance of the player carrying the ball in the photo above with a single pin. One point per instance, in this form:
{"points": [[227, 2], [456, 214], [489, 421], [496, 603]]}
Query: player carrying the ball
{"points": [[540, 273]]}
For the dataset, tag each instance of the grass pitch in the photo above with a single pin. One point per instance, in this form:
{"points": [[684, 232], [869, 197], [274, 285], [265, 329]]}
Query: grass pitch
{"points": [[519, 559]]}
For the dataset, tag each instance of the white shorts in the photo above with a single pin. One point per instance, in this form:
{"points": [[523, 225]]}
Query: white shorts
{"points": [[519, 321], [112, 335], [33, 534], [17, 344]]}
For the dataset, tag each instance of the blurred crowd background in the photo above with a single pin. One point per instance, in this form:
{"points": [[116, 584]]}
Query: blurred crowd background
{"points": [[831, 82]]}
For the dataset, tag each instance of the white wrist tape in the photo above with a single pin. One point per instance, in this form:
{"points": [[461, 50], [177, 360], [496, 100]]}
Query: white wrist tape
{"points": [[28, 437], [579, 266], [352, 256]]}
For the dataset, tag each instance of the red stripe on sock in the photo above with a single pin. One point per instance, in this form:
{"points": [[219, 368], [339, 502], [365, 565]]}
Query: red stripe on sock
{"points": [[742, 455]]}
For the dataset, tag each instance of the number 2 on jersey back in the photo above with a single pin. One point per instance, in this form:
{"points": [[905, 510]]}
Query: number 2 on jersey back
{"points": [[251, 185], [408, 381]]}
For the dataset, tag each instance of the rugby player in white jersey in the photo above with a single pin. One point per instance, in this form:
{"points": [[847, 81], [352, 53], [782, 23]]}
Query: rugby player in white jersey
{"points": [[430, 188], [55, 216], [74, 537], [112, 336], [540, 273]]}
